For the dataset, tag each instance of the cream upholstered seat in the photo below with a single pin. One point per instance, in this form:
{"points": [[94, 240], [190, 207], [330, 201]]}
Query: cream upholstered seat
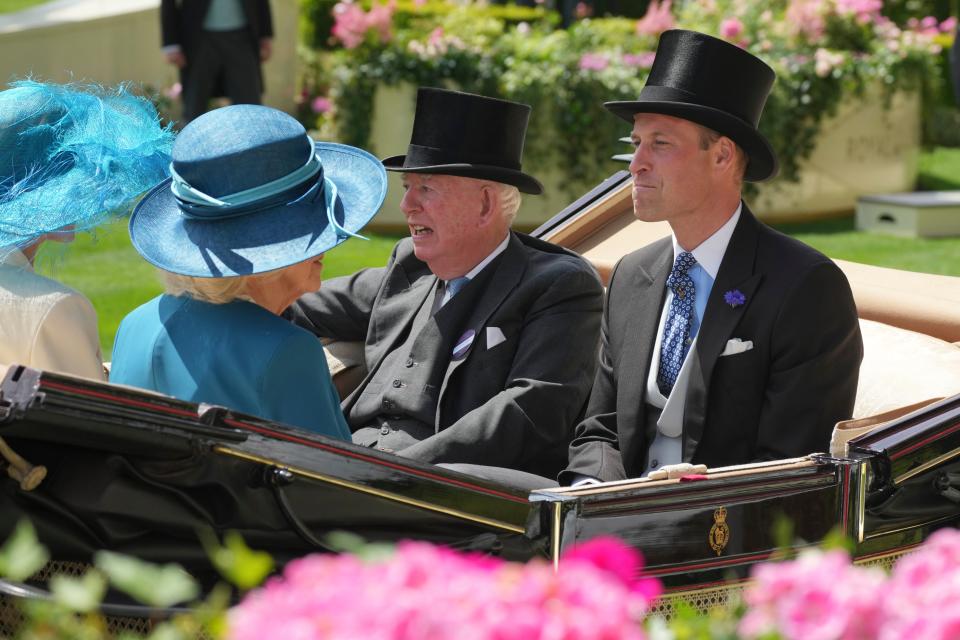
{"points": [[911, 338]]}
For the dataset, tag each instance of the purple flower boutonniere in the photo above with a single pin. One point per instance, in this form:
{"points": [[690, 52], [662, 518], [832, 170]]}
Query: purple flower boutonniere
{"points": [[734, 298]]}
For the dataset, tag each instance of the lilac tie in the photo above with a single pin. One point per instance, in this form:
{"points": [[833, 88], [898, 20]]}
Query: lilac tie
{"points": [[676, 329]]}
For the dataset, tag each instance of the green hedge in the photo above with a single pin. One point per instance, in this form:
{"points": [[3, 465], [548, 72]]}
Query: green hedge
{"points": [[566, 75]]}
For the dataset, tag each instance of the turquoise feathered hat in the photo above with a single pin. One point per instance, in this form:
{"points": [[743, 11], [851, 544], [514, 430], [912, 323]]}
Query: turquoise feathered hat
{"points": [[72, 156]]}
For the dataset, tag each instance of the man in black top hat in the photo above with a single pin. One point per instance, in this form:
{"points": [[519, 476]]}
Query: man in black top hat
{"points": [[728, 342], [480, 342]]}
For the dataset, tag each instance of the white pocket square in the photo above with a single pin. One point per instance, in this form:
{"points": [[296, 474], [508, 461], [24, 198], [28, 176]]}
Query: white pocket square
{"points": [[494, 337], [735, 346]]}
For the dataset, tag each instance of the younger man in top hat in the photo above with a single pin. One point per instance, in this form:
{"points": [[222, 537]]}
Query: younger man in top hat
{"points": [[480, 342], [729, 342]]}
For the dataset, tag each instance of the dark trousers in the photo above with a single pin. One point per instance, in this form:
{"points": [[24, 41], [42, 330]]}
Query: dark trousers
{"points": [[223, 63]]}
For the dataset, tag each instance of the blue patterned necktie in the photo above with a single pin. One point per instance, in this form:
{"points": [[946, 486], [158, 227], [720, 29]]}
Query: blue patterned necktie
{"points": [[452, 287], [676, 330]]}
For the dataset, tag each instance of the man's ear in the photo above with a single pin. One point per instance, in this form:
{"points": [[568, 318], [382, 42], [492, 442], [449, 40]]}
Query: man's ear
{"points": [[725, 152], [489, 203]]}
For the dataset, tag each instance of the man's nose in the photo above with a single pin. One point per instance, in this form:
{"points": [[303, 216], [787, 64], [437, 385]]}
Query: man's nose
{"points": [[640, 161], [408, 204]]}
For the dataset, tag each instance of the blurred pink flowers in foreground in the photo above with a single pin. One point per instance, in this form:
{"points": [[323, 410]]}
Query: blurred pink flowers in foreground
{"points": [[428, 592], [822, 596]]}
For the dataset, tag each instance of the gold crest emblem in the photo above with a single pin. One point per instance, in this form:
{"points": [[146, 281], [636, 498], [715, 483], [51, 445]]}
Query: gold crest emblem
{"points": [[719, 532]]}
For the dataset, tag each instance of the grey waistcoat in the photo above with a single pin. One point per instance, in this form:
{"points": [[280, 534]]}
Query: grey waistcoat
{"points": [[399, 404]]}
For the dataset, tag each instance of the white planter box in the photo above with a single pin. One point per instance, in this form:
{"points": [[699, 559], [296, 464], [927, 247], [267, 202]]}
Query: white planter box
{"points": [[864, 148], [924, 214]]}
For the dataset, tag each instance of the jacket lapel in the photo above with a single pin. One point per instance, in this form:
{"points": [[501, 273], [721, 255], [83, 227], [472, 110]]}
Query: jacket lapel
{"points": [[509, 269], [737, 273], [646, 293], [399, 304]]}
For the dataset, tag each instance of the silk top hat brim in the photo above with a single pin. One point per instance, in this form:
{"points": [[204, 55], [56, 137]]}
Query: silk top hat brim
{"points": [[522, 181], [266, 239], [467, 135], [715, 84]]}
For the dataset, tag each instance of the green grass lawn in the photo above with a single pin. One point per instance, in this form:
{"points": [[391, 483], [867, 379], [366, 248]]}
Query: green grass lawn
{"points": [[838, 239], [939, 169], [10, 6]]}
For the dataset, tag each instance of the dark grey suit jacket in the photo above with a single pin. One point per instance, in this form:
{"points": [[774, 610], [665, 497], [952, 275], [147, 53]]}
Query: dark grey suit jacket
{"points": [[511, 405], [181, 23], [780, 399]]}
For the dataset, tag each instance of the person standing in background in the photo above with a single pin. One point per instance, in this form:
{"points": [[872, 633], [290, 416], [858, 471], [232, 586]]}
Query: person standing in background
{"points": [[218, 46]]}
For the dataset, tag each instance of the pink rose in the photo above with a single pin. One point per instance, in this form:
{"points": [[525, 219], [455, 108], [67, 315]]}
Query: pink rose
{"points": [[320, 104], [731, 28]]}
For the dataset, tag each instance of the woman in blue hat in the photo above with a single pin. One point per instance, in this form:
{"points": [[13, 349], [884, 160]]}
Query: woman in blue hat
{"points": [[239, 232], [70, 158]]}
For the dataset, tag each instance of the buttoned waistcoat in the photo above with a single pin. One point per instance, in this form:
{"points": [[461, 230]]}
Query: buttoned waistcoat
{"points": [[512, 398]]}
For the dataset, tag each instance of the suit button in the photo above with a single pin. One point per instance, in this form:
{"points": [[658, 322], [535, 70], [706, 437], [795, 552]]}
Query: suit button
{"points": [[410, 362], [397, 384], [385, 449], [654, 464], [384, 430], [387, 404]]}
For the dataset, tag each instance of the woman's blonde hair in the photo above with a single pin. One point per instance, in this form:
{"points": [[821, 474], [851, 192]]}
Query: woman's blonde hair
{"points": [[213, 290]]}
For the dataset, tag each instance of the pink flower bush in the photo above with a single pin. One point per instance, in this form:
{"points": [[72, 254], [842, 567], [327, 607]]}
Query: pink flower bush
{"points": [[657, 19], [923, 591], [425, 592], [352, 23], [593, 62], [819, 596], [865, 11], [805, 18], [822, 596], [639, 60], [826, 61]]}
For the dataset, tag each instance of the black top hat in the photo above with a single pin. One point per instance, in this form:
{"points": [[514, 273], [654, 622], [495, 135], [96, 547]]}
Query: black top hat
{"points": [[461, 134], [713, 83]]}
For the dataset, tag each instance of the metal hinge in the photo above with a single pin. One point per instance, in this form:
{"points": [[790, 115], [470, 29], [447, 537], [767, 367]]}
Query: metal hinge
{"points": [[19, 391]]}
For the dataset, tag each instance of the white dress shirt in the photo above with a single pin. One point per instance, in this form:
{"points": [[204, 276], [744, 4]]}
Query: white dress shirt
{"points": [[470, 275]]}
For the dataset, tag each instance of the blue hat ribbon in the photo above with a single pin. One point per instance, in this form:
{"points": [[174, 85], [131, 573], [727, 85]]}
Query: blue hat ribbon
{"points": [[197, 204], [330, 198]]}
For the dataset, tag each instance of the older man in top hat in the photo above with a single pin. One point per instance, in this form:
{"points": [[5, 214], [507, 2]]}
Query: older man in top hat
{"points": [[727, 342], [480, 342]]}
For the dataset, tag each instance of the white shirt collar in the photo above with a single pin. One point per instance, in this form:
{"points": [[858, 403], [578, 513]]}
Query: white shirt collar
{"points": [[709, 253], [14, 257], [493, 254]]}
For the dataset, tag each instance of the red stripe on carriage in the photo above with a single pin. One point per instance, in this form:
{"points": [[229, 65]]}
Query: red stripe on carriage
{"points": [[284, 436]]}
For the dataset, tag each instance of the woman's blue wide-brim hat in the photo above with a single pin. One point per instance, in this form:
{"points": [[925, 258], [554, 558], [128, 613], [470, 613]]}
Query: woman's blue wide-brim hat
{"points": [[72, 156], [251, 192]]}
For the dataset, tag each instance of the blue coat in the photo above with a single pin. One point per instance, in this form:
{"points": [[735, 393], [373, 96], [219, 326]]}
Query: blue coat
{"points": [[238, 355]]}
